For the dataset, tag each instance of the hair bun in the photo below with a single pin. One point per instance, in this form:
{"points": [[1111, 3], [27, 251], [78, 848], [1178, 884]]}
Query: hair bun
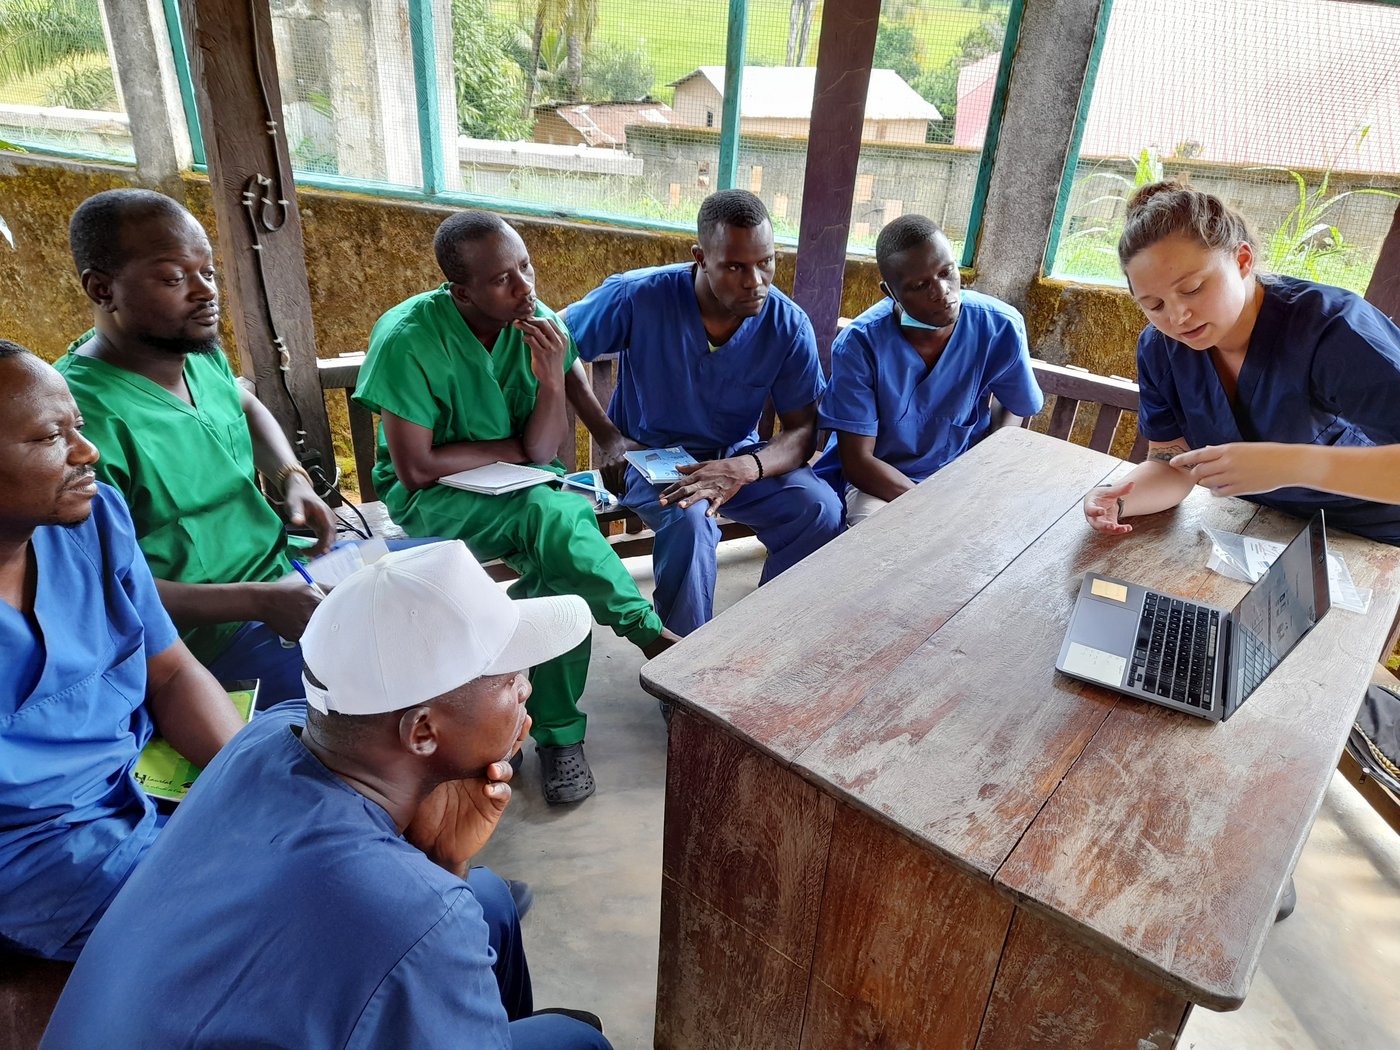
{"points": [[1143, 194]]}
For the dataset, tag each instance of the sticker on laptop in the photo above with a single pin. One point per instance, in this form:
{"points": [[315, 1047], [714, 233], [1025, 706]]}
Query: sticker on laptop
{"points": [[1094, 664], [1108, 589]]}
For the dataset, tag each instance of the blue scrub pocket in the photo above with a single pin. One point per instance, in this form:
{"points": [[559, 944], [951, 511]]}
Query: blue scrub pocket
{"points": [[737, 410], [1342, 434]]}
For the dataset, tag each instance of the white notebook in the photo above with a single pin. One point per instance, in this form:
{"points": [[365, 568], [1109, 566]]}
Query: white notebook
{"points": [[496, 478]]}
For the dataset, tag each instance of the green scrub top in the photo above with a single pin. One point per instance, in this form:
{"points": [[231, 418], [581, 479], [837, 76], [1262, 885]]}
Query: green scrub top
{"points": [[425, 365], [187, 474]]}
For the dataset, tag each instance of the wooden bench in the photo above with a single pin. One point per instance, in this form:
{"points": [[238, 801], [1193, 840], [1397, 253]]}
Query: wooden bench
{"points": [[1073, 394], [29, 990], [626, 532], [1070, 390]]}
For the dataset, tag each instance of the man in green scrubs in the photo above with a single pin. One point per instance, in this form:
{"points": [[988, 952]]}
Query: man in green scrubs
{"points": [[181, 440], [472, 373]]}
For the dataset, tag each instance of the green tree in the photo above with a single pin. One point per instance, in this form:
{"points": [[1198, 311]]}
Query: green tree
{"points": [[574, 21], [37, 35], [617, 74], [56, 40], [83, 87], [895, 49], [940, 86], [489, 84]]}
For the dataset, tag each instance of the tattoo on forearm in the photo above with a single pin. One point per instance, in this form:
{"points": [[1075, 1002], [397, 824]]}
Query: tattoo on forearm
{"points": [[1164, 455]]}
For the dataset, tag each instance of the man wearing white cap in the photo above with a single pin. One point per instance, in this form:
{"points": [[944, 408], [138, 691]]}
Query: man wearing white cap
{"points": [[313, 890]]}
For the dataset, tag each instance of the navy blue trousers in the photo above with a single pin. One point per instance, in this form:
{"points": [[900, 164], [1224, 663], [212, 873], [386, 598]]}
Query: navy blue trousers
{"points": [[792, 514]]}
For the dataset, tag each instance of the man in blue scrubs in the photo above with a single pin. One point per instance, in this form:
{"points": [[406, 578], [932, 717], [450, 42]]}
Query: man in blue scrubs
{"points": [[91, 666], [912, 377], [704, 345], [313, 890]]}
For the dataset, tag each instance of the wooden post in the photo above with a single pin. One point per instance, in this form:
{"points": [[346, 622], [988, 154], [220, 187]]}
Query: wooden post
{"points": [[844, 55], [1384, 290], [260, 242]]}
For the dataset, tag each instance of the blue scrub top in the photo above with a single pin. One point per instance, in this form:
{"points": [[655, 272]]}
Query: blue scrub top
{"points": [[672, 388], [280, 907], [1323, 368], [73, 720], [922, 418]]}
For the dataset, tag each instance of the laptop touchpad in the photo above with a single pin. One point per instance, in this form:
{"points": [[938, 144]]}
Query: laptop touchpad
{"points": [[1102, 639]]}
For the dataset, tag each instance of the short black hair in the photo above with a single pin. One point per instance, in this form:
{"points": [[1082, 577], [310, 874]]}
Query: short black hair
{"points": [[738, 208], [9, 348], [95, 231], [463, 227], [901, 234]]}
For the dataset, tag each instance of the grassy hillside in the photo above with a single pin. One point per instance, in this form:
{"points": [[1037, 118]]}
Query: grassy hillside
{"points": [[679, 35]]}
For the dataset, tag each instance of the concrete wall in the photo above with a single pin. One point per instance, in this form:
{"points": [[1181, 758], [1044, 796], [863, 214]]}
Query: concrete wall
{"points": [[697, 103], [892, 180], [553, 129], [364, 254]]}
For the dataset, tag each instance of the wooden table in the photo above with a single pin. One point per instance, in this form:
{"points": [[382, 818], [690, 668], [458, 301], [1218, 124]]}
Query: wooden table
{"points": [[891, 823]]}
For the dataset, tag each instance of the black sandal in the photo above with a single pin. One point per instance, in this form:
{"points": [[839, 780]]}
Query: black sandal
{"points": [[565, 773]]}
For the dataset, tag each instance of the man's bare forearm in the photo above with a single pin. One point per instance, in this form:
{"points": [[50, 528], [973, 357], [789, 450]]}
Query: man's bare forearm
{"points": [[547, 425], [201, 604], [190, 709], [790, 449], [874, 476]]}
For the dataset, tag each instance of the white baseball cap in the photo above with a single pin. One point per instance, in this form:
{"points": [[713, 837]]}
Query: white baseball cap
{"points": [[421, 622]]}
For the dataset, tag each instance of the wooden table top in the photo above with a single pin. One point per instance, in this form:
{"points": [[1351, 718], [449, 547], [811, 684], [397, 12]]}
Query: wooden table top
{"points": [[909, 669]]}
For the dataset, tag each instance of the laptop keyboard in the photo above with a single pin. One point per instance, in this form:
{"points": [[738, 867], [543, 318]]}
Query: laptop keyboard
{"points": [[1175, 652]]}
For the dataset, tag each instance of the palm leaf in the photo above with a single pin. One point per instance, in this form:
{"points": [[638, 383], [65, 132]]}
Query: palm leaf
{"points": [[36, 35]]}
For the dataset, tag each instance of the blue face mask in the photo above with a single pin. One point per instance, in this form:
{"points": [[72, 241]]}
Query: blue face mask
{"points": [[908, 320]]}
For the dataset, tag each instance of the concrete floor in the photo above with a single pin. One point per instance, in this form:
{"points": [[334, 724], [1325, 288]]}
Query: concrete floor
{"points": [[1329, 978]]}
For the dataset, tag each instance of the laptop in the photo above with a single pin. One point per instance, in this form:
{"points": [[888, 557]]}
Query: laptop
{"points": [[1192, 657]]}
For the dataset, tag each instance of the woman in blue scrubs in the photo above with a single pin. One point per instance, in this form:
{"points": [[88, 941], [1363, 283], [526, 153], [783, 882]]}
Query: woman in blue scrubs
{"points": [[1281, 389]]}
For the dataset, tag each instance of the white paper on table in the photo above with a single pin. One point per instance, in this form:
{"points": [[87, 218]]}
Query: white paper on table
{"points": [[337, 565], [1247, 557]]}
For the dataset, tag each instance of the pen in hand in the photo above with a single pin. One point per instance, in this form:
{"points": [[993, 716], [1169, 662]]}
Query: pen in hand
{"points": [[301, 571]]}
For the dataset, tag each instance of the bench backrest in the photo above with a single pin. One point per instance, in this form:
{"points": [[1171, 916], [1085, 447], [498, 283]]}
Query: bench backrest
{"points": [[1069, 390], [1071, 393]]}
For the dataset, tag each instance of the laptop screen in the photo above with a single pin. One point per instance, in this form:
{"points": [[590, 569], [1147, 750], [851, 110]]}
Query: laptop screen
{"points": [[1288, 600]]}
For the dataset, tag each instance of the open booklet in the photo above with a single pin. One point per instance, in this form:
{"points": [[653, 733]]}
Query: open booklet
{"points": [[658, 465], [165, 773], [496, 478]]}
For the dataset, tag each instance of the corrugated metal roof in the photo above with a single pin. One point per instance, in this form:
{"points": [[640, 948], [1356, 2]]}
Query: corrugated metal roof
{"points": [[785, 93], [605, 123], [1288, 84]]}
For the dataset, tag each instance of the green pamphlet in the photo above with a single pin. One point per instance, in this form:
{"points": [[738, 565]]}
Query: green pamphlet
{"points": [[167, 774]]}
